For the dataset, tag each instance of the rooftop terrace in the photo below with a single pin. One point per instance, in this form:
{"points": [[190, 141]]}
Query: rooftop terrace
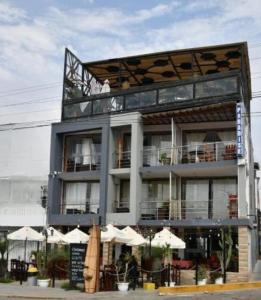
{"points": [[126, 83]]}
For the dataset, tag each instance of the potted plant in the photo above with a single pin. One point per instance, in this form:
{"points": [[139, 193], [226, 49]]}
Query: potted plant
{"points": [[226, 245], [164, 159], [216, 277], [43, 279], [202, 275], [121, 268]]}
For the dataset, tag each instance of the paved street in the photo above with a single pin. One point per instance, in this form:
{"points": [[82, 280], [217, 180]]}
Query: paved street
{"points": [[15, 292]]}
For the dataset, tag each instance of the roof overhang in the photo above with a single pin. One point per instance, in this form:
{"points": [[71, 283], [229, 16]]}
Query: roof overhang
{"points": [[172, 65], [225, 111]]}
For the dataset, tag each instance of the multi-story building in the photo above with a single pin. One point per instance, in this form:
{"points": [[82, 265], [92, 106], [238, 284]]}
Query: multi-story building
{"points": [[161, 139]]}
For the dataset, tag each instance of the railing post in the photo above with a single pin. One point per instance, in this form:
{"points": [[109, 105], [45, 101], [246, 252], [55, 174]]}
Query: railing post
{"points": [[216, 144]]}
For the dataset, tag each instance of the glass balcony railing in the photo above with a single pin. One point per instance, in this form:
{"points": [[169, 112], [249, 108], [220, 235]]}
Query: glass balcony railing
{"points": [[77, 163], [189, 209], [193, 153], [83, 106]]}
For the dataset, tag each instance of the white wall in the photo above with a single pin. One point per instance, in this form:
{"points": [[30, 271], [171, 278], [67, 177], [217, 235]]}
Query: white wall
{"points": [[24, 152], [24, 168]]}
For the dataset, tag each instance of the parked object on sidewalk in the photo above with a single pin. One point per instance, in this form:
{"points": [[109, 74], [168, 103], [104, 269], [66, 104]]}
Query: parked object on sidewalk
{"points": [[32, 276]]}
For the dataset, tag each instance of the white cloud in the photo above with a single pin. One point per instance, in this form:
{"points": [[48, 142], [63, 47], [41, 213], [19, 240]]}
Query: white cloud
{"points": [[10, 13], [32, 47]]}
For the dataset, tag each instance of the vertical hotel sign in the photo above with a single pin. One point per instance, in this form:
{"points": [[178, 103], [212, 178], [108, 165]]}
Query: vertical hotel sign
{"points": [[240, 130]]}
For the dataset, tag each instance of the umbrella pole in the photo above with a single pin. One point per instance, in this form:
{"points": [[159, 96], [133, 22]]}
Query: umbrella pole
{"points": [[25, 244]]}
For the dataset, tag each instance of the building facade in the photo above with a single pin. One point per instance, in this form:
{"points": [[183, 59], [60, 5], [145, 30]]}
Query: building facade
{"points": [[155, 140]]}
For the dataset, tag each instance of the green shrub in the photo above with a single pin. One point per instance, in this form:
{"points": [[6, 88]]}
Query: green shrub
{"points": [[5, 280], [67, 286]]}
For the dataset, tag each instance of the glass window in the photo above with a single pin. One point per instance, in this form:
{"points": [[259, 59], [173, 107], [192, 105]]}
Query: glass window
{"points": [[140, 99], [108, 105], [222, 188], [177, 93], [77, 110], [82, 153], [216, 87], [81, 197], [196, 201]]}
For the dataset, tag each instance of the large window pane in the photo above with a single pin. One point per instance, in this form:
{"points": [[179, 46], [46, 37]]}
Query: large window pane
{"points": [[81, 197], [222, 188], [196, 202], [177, 93], [216, 87], [108, 105], [82, 152], [77, 110], [140, 99]]}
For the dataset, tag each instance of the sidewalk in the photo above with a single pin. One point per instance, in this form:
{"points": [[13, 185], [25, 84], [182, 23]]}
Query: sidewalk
{"points": [[15, 290]]}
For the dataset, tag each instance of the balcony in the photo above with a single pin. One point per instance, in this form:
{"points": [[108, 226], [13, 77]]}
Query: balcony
{"points": [[196, 153], [78, 163], [88, 207], [189, 209], [144, 97], [122, 159], [123, 206]]}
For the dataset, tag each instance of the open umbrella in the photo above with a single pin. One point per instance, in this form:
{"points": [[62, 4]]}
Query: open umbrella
{"points": [[166, 238], [113, 234], [54, 236], [136, 238], [25, 234], [76, 236]]}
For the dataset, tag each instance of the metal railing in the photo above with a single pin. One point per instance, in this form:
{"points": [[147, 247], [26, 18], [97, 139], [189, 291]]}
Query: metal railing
{"points": [[88, 207], [77, 163], [122, 159], [122, 206], [186, 209], [192, 153]]}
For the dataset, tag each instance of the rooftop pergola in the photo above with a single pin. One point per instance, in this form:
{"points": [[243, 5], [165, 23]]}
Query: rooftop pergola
{"points": [[169, 65], [131, 75]]}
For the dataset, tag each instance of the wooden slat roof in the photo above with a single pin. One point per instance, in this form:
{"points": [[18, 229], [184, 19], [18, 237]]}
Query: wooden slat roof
{"points": [[206, 113], [171, 65]]}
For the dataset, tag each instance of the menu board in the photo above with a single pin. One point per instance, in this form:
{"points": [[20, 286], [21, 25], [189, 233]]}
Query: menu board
{"points": [[77, 257]]}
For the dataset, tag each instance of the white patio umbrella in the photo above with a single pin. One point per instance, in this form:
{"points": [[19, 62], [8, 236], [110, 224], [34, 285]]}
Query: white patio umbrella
{"points": [[136, 238], [165, 238], [25, 234], [54, 236], [113, 234], [76, 236]]}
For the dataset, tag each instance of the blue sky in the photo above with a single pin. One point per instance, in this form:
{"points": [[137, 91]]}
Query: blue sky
{"points": [[33, 35]]}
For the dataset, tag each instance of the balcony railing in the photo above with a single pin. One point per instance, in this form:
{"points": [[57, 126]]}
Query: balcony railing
{"points": [[193, 153], [188, 209], [81, 101], [77, 163], [122, 159], [123, 206], [88, 207]]}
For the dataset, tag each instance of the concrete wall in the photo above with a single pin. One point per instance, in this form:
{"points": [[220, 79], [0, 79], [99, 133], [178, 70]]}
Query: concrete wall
{"points": [[24, 168]]}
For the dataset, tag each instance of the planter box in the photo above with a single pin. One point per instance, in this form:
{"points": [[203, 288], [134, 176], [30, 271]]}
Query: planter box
{"points": [[43, 282], [123, 286]]}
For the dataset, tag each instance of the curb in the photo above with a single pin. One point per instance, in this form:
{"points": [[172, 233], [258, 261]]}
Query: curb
{"points": [[208, 288]]}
